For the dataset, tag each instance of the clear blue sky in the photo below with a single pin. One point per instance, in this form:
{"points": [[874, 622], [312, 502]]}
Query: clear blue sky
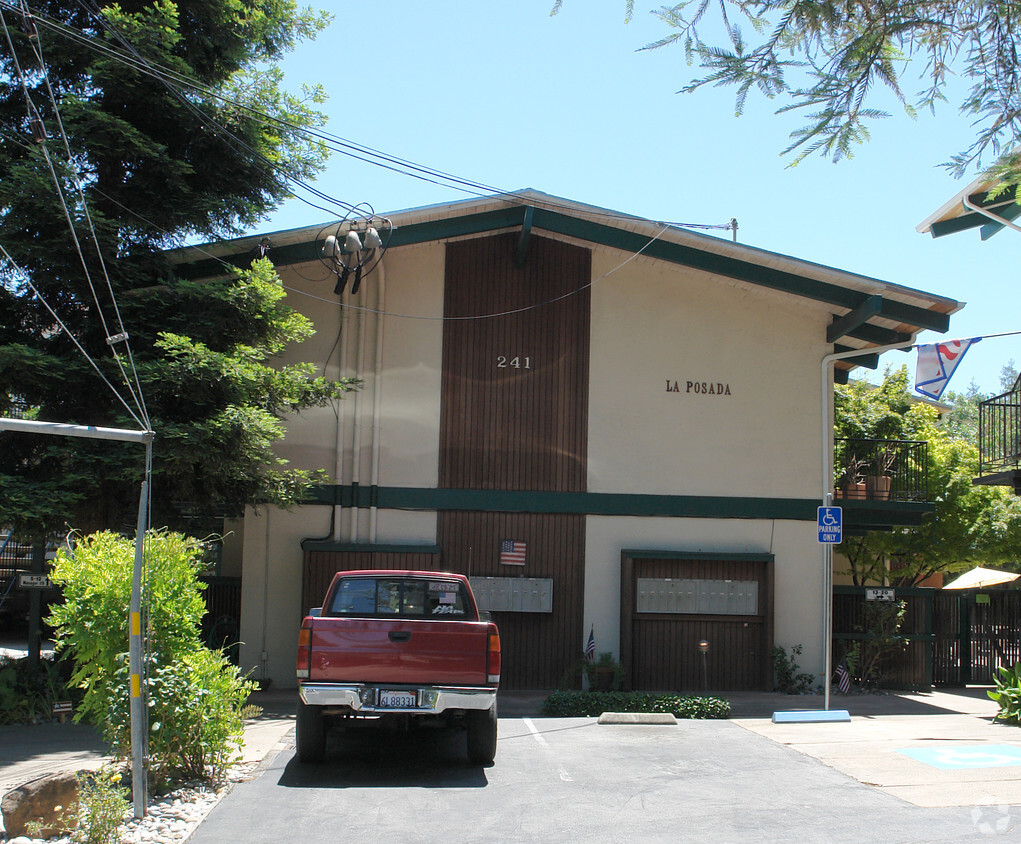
{"points": [[501, 93]]}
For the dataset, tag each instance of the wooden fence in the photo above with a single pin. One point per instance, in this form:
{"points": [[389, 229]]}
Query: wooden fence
{"points": [[951, 638]]}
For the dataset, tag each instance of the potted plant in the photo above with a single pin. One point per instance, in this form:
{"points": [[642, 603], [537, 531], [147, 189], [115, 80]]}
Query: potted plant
{"points": [[604, 673], [852, 479], [877, 484]]}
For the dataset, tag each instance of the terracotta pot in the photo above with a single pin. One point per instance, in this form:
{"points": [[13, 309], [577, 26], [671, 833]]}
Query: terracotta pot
{"points": [[877, 487]]}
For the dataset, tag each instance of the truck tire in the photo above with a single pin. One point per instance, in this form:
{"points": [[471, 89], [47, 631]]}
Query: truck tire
{"points": [[482, 736], [310, 733]]}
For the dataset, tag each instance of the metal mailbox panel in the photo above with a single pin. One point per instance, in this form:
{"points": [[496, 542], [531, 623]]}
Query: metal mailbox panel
{"points": [[701, 597], [513, 594]]}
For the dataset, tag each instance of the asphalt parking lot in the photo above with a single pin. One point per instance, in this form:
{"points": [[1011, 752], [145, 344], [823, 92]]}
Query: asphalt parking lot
{"points": [[572, 779]]}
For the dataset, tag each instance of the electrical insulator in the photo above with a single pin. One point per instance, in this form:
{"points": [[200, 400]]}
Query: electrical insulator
{"points": [[38, 130]]}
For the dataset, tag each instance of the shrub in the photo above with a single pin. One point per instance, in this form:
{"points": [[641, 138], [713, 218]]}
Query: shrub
{"points": [[571, 704], [1008, 693], [195, 697], [789, 678], [102, 805], [881, 639]]}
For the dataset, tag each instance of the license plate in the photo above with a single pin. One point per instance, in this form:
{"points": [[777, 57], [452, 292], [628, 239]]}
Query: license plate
{"points": [[391, 699]]}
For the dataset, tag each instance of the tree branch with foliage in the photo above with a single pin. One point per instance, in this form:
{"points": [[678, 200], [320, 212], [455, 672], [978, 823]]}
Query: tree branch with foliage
{"points": [[176, 128], [828, 61], [970, 524]]}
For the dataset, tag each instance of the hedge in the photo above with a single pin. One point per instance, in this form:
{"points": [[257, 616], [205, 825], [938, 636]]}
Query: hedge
{"points": [[567, 704]]}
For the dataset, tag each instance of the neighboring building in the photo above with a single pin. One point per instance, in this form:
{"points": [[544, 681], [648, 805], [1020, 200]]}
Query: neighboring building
{"points": [[977, 206], [611, 425]]}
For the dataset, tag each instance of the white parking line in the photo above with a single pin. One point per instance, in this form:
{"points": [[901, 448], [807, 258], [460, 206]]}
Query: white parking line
{"points": [[564, 776]]}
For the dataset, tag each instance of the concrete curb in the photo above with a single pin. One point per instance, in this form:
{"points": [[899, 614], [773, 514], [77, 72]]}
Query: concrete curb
{"points": [[645, 718]]}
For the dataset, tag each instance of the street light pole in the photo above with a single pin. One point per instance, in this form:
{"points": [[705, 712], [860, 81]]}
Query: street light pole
{"points": [[139, 733]]}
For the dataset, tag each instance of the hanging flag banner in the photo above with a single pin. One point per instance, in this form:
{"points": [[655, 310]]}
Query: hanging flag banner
{"points": [[936, 365]]}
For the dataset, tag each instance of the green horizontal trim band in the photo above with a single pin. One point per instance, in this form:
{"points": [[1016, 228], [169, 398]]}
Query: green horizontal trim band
{"points": [[570, 226], [646, 554], [366, 547], [578, 503]]}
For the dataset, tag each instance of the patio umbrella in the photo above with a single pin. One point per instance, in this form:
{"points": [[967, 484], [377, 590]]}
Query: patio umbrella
{"points": [[980, 578]]}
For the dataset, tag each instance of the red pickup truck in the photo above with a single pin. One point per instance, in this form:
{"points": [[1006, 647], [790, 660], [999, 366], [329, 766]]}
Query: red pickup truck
{"points": [[404, 645]]}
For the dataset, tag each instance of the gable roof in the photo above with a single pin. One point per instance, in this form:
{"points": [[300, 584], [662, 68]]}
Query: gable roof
{"points": [[866, 311]]}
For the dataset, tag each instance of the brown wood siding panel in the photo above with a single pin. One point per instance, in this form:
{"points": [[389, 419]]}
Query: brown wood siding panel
{"points": [[538, 648], [320, 566], [511, 427], [663, 648]]}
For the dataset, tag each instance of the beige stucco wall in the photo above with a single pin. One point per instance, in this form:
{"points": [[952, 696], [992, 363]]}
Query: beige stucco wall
{"points": [[654, 326], [411, 348]]}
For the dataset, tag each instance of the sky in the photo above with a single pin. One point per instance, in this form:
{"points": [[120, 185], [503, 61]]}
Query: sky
{"points": [[502, 93]]}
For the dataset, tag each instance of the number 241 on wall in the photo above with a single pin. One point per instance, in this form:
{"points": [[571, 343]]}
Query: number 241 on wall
{"points": [[516, 362]]}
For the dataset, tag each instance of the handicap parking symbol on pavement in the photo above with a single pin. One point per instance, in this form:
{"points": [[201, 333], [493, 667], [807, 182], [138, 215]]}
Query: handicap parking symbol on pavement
{"points": [[958, 757]]}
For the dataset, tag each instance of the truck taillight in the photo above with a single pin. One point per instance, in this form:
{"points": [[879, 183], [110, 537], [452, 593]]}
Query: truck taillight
{"points": [[304, 660], [493, 657]]}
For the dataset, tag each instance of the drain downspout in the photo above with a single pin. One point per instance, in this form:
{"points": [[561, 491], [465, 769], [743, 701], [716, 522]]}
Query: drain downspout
{"points": [[377, 392], [356, 447], [338, 466]]}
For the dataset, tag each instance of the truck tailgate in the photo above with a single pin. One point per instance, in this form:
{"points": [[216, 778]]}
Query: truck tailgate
{"points": [[406, 651]]}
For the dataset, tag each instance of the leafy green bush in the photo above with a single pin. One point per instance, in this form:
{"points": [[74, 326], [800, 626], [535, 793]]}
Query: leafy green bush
{"points": [[1008, 693], [98, 814], [195, 697], [102, 805], [789, 677], [571, 704]]}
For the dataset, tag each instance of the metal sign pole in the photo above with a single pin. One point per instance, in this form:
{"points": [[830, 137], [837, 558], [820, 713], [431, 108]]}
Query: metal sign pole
{"points": [[827, 494], [139, 732]]}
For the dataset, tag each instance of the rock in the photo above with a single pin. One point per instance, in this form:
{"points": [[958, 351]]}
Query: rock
{"points": [[44, 800]]}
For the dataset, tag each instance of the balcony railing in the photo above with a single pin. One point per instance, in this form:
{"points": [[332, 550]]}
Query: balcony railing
{"points": [[881, 470], [999, 434]]}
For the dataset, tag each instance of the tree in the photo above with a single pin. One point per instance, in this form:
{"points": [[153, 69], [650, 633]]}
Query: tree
{"points": [[827, 59], [970, 524], [165, 122], [196, 697]]}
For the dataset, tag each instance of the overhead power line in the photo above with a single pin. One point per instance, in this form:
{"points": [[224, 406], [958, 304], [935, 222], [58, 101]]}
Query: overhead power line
{"points": [[333, 142]]}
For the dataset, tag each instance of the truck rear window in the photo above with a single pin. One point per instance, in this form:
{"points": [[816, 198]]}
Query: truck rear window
{"points": [[405, 597]]}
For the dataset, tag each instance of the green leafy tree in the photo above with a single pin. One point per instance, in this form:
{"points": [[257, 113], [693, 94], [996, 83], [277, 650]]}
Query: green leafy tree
{"points": [[831, 60], [176, 128], [970, 525], [196, 697]]}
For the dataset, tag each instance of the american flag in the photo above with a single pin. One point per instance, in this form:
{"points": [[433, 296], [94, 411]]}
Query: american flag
{"points": [[512, 553], [843, 677], [590, 648]]}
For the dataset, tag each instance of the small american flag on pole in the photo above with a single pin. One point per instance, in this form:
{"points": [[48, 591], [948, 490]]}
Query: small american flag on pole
{"points": [[590, 648], [843, 677], [512, 553]]}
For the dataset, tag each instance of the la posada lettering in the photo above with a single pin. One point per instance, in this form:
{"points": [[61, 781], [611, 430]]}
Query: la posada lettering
{"points": [[700, 388]]}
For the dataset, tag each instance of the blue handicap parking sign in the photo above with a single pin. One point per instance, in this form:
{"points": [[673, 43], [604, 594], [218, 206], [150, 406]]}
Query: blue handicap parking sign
{"points": [[830, 524]]}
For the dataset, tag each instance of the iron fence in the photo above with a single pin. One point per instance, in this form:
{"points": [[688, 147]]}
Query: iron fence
{"points": [[999, 434], [881, 470]]}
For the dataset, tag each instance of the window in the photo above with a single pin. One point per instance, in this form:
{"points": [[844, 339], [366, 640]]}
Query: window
{"points": [[406, 597]]}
